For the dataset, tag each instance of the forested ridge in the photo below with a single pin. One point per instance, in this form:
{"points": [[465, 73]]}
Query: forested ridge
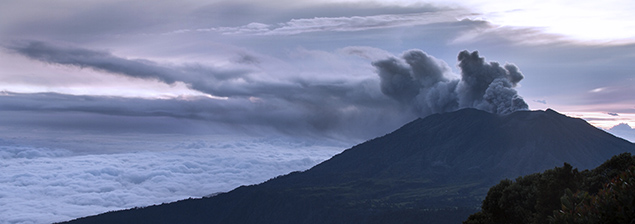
{"points": [[605, 194]]}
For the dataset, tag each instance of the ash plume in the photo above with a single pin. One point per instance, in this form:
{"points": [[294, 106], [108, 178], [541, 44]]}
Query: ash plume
{"points": [[426, 85]]}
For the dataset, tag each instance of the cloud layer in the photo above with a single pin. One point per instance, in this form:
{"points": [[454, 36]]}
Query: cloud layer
{"points": [[244, 94], [337, 24], [327, 105], [44, 185]]}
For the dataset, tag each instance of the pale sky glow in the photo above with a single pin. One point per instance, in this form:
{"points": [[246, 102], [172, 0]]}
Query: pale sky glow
{"points": [[22, 77], [604, 120], [170, 80], [601, 21], [596, 21]]}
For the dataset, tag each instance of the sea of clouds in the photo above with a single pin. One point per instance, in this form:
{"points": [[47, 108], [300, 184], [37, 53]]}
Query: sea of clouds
{"points": [[44, 185]]}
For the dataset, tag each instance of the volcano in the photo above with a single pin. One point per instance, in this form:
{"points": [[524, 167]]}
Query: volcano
{"points": [[432, 170]]}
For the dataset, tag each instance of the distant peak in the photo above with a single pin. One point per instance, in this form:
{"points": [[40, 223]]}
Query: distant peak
{"points": [[472, 110], [549, 110], [552, 112], [621, 126]]}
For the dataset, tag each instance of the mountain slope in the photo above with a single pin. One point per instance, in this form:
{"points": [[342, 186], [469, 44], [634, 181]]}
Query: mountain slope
{"points": [[433, 170]]}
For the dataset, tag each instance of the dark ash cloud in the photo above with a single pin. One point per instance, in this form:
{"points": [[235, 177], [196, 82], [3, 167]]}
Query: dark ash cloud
{"points": [[613, 114], [344, 108], [315, 105], [427, 86]]}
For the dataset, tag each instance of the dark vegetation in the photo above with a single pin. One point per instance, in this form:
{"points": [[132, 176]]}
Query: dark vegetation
{"points": [[433, 170], [605, 194]]}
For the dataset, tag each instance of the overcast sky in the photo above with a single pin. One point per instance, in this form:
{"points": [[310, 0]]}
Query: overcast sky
{"points": [[302, 68], [109, 77]]}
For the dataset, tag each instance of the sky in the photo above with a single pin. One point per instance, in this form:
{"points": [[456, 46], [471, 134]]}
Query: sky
{"points": [[142, 102]]}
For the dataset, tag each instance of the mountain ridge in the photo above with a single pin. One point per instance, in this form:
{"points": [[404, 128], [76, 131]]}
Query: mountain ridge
{"points": [[413, 137], [433, 166]]}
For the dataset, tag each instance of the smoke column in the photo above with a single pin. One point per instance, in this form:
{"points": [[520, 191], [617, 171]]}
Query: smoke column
{"points": [[426, 84]]}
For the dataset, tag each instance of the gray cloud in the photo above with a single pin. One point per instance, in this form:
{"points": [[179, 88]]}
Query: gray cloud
{"points": [[426, 84], [103, 20], [369, 53], [223, 82], [126, 115], [349, 111], [99, 60], [339, 24], [206, 79], [89, 21], [237, 13], [312, 106]]}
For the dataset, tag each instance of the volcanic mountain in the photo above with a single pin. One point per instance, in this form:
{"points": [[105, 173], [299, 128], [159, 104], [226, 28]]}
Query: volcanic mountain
{"points": [[432, 170]]}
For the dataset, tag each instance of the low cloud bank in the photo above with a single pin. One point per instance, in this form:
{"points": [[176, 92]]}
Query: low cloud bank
{"points": [[42, 185]]}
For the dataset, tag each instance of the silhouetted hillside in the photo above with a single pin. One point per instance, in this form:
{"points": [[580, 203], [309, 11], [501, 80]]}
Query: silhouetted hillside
{"points": [[432, 170], [605, 194]]}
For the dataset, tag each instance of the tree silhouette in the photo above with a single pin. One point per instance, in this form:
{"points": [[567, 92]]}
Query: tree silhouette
{"points": [[605, 194]]}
